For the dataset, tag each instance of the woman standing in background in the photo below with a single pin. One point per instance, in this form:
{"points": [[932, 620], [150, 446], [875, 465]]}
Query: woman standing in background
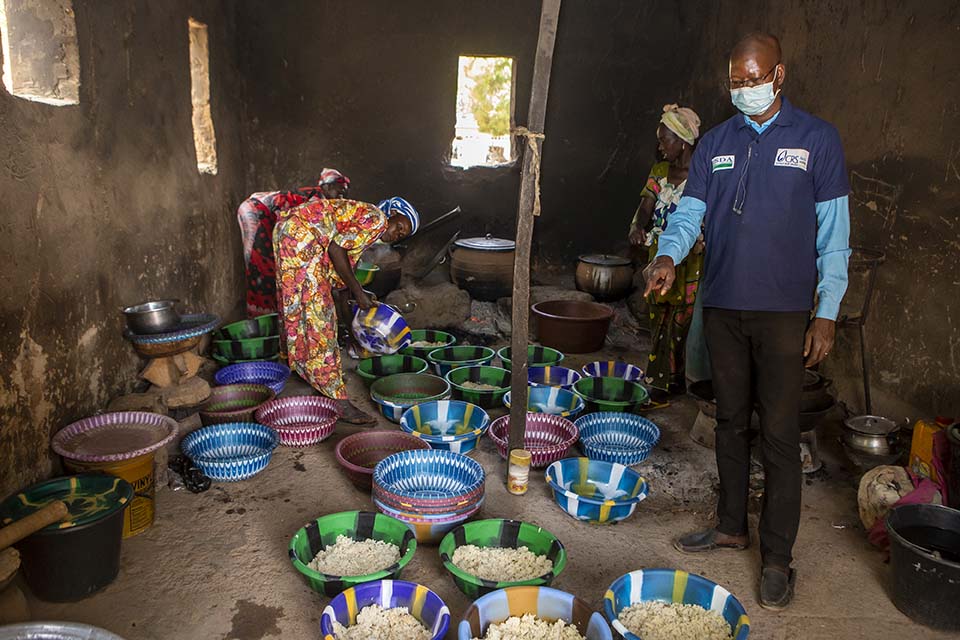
{"points": [[671, 313]]}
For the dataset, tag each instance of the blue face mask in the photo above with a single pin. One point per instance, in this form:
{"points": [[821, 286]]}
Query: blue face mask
{"points": [[753, 101]]}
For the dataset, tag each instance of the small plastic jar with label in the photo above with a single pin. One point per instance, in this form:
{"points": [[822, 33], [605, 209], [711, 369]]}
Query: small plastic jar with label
{"points": [[518, 474]]}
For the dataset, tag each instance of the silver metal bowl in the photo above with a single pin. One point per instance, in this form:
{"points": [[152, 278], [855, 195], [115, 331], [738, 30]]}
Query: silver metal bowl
{"points": [[874, 435], [155, 316]]}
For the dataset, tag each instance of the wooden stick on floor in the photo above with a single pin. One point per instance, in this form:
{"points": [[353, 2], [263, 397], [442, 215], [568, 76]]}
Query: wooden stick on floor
{"points": [[529, 196]]}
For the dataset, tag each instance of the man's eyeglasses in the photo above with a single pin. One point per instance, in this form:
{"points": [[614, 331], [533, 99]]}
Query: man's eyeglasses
{"points": [[754, 82]]}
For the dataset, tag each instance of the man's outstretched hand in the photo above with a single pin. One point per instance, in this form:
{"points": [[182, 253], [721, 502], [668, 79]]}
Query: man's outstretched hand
{"points": [[659, 275], [818, 341]]}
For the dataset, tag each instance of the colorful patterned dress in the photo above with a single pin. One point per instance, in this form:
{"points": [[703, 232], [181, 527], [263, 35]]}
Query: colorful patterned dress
{"points": [[306, 280], [670, 314], [257, 216]]}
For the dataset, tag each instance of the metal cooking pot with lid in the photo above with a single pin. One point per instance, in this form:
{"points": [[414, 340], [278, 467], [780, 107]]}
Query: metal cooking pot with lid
{"points": [[483, 266], [871, 434], [605, 277]]}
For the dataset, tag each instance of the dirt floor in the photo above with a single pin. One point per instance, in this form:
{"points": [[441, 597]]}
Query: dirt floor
{"points": [[215, 564]]}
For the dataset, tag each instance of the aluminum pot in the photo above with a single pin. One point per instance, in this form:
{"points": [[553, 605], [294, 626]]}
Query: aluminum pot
{"points": [[155, 316], [605, 277], [872, 435]]}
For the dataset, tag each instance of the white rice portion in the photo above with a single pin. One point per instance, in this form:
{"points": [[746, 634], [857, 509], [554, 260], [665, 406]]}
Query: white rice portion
{"points": [[501, 564], [426, 344], [672, 621], [375, 623], [349, 557], [479, 386], [530, 627]]}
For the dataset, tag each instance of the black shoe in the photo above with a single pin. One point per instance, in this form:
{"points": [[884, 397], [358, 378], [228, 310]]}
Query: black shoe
{"points": [[699, 541], [776, 588]]}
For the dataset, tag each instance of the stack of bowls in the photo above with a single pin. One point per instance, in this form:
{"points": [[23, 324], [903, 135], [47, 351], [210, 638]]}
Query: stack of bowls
{"points": [[397, 393], [465, 379], [431, 491], [248, 340], [450, 425], [595, 491]]}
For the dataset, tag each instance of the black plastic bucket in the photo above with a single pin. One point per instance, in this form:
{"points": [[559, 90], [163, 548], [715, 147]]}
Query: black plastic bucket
{"points": [[925, 563], [953, 466], [80, 555]]}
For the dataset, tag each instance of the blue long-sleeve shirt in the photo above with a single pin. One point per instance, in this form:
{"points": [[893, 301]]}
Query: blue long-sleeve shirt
{"points": [[832, 240]]}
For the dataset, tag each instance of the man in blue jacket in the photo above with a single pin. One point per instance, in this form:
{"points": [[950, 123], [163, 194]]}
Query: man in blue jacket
{"points": [[770, 185]]}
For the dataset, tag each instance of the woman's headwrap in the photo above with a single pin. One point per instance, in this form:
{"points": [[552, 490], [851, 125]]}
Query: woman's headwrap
{"points": [[397, 205], [332, 176], [682, 121]]}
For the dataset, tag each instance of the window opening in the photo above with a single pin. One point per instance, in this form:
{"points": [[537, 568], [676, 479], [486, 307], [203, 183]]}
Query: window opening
{"points": [[204, 137], [41, 61], [484, 112]]}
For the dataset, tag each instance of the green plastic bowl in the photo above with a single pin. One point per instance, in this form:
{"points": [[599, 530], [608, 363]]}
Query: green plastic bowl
{"points": [[537, 356], [358, 525], [365, 272], [500, 533], [491, 399], [450, 358], [248, 348], [397, 393], [611, 394], [428, 335], [259, 327], [371, 369]]}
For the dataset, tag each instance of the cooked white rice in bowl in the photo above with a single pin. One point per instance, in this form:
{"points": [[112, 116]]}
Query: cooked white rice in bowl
{"points": [[501, 564], [657, 620], [349, 557], [479, 386], [530, 627], [376, 623]]}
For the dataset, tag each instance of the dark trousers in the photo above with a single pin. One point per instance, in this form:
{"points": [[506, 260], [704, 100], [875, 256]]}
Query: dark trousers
{"points": [[757, 358]]}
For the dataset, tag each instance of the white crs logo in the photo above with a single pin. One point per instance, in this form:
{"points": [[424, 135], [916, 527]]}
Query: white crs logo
{"points": [[793, 158]]}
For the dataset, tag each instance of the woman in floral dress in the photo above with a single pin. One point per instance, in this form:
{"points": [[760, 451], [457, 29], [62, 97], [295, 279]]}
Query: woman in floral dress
{"points": [[671, 313], [317, 245]]}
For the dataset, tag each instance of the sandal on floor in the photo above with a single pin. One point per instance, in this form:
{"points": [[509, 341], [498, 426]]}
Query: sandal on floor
{"points": [[353, 416], [706, 540]]}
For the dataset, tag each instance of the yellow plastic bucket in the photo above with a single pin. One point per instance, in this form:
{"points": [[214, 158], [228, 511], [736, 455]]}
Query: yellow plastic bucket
{"points": [[137, 471]]}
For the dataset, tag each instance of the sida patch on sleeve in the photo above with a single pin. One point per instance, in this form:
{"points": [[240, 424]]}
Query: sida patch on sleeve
{"points": [[721, 163], [792, 158]]}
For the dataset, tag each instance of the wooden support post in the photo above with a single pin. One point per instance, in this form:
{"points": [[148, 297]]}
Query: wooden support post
{"points": [[529, 195]]}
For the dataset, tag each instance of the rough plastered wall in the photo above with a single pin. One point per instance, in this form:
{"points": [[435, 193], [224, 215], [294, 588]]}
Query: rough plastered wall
{"points": [[370, 88], [103, 207], [885, 73]]}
